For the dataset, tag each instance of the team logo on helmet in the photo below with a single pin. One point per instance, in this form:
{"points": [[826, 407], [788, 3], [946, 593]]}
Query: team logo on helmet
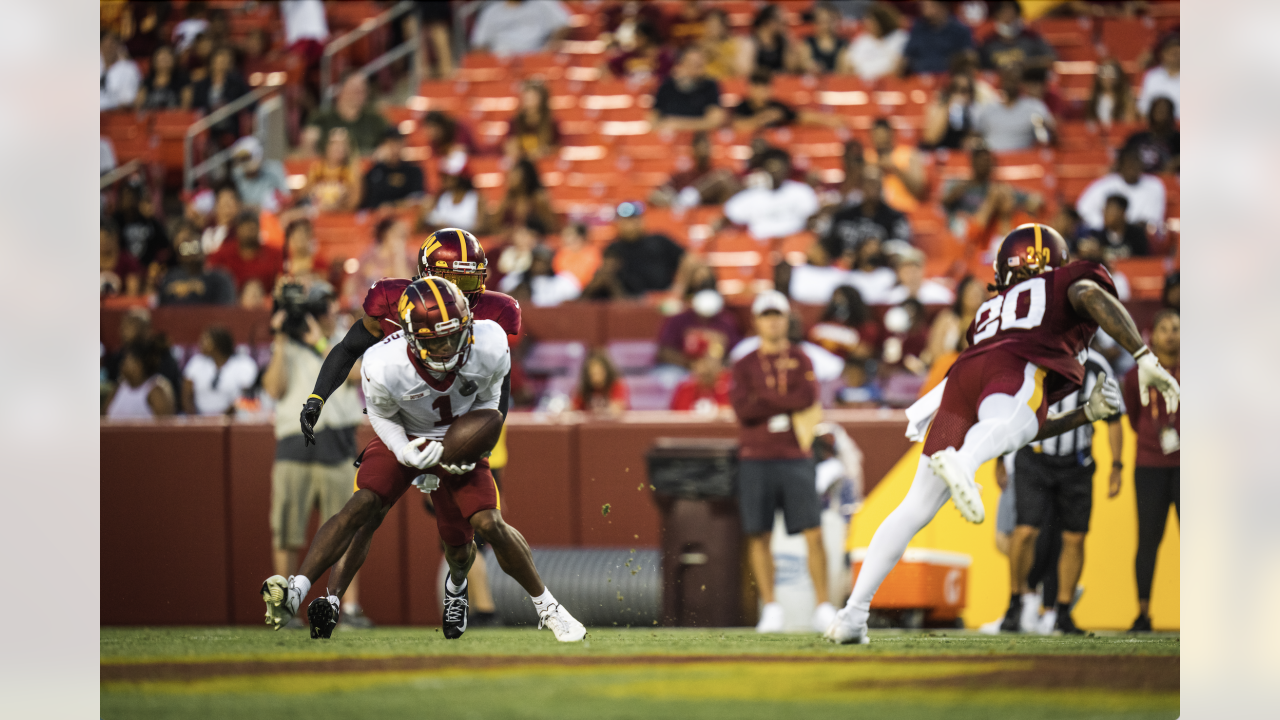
{"points": [[456, 256]]}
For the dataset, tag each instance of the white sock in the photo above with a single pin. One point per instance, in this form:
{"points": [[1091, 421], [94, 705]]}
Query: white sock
{"points": [[302, 583], [455, 589], [927, 495], [337, 604], [543, 601], [1005, 423]]}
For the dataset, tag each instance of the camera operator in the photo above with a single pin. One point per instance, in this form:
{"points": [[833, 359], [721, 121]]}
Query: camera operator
{"points": [[304, 476]]}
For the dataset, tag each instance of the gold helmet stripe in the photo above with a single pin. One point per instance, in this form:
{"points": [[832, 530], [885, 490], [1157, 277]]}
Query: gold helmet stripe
{"points": [[444, 313], [1039, 246], [462, 243]]}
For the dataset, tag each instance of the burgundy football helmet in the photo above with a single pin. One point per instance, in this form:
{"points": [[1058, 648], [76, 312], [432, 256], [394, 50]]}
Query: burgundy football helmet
{"points": [[1029, 250], [437, 323], [456, 256]]}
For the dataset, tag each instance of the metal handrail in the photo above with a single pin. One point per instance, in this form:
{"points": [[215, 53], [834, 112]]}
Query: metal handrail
{"points": [[327, 90], [114, 176], [189, 173]]}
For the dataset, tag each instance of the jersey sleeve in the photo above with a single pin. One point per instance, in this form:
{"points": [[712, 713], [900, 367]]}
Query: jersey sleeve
{"points": [[509, 318], [495, 366], [376, 304], [378, 399]]}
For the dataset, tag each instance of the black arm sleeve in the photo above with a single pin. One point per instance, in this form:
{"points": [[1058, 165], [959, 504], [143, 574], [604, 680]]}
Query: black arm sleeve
{"points": [[505, 399], [338, 363]]}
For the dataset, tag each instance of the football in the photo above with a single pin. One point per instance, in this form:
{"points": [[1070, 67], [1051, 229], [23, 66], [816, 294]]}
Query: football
{"points": [[471, 436]]}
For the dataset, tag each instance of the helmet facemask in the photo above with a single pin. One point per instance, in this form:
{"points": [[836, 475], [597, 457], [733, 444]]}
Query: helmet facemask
{"points": [[442, 351]]}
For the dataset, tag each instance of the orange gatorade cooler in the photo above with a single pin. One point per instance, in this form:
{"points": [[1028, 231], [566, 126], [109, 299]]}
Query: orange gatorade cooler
{"points": [[935, 581]]}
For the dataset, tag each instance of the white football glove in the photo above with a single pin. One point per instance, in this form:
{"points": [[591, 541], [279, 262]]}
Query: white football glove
{"points": [[1151, 374], [411, 455], [427, 483], [459, 469], [1104, 400]]}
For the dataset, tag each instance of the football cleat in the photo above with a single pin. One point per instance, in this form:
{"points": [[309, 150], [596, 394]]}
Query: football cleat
{"points": [[1030, 613], [965, 493], [455, 612], [562, 624], [846, 630], [1141, 624], [282, 600], [323, 613], [1047, 622], [1012, 621], [1066, 625]]}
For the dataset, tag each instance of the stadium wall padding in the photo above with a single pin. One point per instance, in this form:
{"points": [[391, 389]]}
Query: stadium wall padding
{"points": [[186, 505]]}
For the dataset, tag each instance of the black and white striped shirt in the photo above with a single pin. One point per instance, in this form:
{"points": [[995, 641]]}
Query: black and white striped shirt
{"points": [[1078, 442]]}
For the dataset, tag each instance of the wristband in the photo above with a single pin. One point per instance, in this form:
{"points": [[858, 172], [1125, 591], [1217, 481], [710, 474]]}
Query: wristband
{"points": [[1144, 350], [313, 395], [321, 345], [1117, 465]]}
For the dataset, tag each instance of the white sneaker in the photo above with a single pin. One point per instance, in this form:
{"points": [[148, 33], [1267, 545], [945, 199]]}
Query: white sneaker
{"points": [[282, 600], [991, 628], [823, 616], [846, 630], [771, 618], [965, 493], [1030, 618], [565, 627], [1047, 621]]}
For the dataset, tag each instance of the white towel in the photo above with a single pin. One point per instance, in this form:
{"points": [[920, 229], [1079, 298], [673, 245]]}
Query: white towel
{"points": [[921, 413]]}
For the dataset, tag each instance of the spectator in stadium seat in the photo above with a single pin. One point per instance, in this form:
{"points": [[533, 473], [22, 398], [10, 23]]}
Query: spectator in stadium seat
{"points": [[195, 23], [390, 181], [141, 234], [165, 82], [901, 168], [217, 376], [760, 109], [118, 76], [519, 27], [1163, 80], [637, 262], [1158, 145], [646, 59], [722, 49], [908, 263], [142, 391], [964, 199], [576, 254], [947, 333], [534, 133], [1120, 238], [823, 52], [458, 204], [1171, 296], [701, 184], [525, 202], [247, 260], [687, 27], [514, 259], [854, 162], [872, 219], [1013, 43], [848, 329], [221, 87], [877, 51], [904, 340], [540, 285], [767, 47], [705, 321], [302, 260], [688, 99], [226, 208], [141, 25], [305, 29], [706, 390], [259, 181], [999, 214], [870, 273], [1144, 192], [135, 327], [351, 111], [600, 389], [1016, 121], [119, 272], [447, 137], [333, 181], [773, 205], [388, 257], [1111, 99], [189, 282], [936, 38], [195, 58], [948, 121]]}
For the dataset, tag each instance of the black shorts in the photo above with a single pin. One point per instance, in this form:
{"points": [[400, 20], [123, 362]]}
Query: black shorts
{"points": [[1044, 485], [766, 485]]}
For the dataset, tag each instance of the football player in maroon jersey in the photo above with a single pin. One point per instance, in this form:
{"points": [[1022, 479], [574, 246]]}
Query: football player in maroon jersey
{"points": [[450, 253], [1025, 350]]}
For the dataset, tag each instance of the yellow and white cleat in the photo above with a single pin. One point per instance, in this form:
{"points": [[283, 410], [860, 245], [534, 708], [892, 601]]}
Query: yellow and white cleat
{"points": [[282, 599], [965, 493]]}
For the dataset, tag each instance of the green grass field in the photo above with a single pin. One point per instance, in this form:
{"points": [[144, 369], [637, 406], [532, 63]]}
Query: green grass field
{"points": [[637, 673]]}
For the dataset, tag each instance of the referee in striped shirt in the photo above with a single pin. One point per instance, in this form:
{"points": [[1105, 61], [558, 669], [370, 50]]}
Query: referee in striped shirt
{"points": [[1054, 490]]}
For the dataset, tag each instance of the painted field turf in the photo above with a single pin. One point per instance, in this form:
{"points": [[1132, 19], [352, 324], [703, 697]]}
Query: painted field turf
{"points": [[637, 673]]}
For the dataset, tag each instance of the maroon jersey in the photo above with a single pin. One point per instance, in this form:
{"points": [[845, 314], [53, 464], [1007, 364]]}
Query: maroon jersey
{"points": [[1034, 320], [1150, 422], [765, 390], [384, 296]]}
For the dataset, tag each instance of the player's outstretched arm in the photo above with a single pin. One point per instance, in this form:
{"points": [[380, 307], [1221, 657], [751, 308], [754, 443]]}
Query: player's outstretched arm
{"points": [[1089, 298], [335, 369], [1104, 402]]}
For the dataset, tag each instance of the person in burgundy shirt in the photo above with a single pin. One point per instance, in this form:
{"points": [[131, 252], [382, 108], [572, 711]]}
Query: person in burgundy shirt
{"points": [[247, 260], [768, 387], [1156, 473], [706, 322], [706, 390]]}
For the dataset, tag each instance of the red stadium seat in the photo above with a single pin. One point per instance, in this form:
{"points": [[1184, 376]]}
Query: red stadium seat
{"points": [[1066, 32], [1127, 38]]}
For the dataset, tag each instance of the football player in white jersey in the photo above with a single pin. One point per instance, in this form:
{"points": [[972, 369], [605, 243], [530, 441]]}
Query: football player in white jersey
{"points": [[442, 365]]}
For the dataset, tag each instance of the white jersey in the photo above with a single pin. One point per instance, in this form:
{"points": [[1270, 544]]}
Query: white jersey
{"points": [[394, 389]]}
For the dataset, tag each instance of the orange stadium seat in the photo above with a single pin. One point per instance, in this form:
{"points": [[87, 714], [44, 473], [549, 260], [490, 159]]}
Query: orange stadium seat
{"points": [[1127, 38], [1066, 32]]}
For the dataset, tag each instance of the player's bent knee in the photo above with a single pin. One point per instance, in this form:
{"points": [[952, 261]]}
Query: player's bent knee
{"points": [[488, 523], [363, 508]]}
